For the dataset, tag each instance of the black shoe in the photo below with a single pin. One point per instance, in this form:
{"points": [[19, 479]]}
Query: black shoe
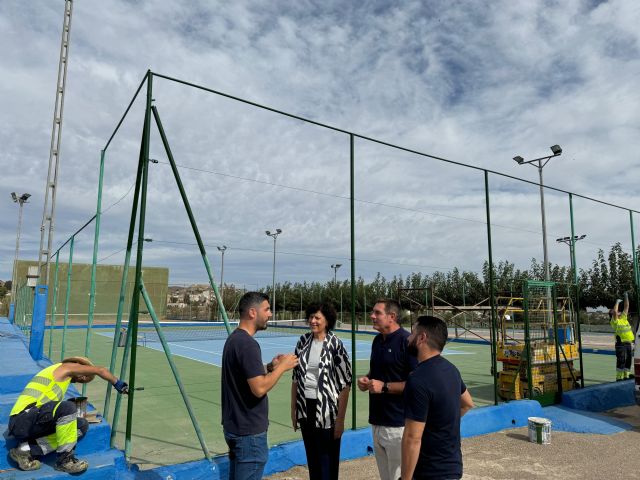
{"points": [[68, 463], [24, 460]]}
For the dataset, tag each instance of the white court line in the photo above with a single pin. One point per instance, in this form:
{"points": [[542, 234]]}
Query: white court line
{"points": [[188, 357], [179, 345]]}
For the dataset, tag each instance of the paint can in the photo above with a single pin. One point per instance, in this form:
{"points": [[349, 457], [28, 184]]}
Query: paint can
{"points": [[81, 406], [539, 430]]}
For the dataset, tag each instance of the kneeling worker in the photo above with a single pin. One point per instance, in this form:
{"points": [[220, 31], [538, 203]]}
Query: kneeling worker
{"points": [[42, 421]]}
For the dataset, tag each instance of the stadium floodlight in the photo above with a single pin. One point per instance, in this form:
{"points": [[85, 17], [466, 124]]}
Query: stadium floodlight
{"points": [[20, 200], [556, 149], [335, 267], [274, 235], [540, 163], [571, 242]]}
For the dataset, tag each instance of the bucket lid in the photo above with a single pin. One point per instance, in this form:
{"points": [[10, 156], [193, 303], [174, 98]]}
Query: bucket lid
{"points": [[539, 420]]}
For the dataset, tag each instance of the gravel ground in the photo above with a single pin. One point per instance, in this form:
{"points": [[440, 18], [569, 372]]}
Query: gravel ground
{"points": [[510, 455]]}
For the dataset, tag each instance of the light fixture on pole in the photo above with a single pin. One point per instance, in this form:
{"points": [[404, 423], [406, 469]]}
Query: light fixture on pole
{"points": [[274, 235], [221, 249], [540, 163], [571, 242], [335, 267], [21, 200]]}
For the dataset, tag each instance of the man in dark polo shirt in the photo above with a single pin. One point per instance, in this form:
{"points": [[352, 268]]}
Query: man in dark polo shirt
{"points": [[245, 408], [390, 366], [435, 399]]}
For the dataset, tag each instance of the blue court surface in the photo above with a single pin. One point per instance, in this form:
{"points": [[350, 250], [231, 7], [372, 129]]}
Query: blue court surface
{"points": [[210, 350]]}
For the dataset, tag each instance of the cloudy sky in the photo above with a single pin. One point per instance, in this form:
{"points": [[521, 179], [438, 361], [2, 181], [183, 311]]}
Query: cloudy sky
{"points": [[473, 82]]}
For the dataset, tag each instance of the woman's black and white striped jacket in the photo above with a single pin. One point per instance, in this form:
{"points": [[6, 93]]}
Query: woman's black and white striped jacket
{"points": [[334, 376]]}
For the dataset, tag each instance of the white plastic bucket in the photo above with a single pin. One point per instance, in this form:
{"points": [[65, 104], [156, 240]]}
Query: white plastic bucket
{"points": [[539, 430]]}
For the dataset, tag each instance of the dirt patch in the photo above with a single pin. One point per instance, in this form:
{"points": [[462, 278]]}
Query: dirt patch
{"points": [[509, 454]]}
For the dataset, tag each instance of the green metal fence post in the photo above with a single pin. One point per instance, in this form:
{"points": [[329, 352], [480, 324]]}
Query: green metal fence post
{"points": [[135, 302], [494, 362], [527, 337], [66, 298], [556, 341], [636, 273], [123, 291], [54, 300], [17, 317], [25, 308], [576, 289], [354, 322], [92, 288], [174, 369], [123, 374], [22, 304], [192, 219]]}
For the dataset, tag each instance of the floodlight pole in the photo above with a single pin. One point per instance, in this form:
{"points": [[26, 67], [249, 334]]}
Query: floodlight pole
{"points": [[21, 200], [335, 267], [221, 249], [544, 226], [274, 235], [541, 162]]}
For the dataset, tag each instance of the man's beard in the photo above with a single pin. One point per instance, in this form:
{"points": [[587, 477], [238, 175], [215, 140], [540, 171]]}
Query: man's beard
{"points": [[412, 348]]}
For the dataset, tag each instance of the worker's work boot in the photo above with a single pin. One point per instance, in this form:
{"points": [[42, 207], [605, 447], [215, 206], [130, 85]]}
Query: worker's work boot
{"points": [[24, 460], [68, 463]]}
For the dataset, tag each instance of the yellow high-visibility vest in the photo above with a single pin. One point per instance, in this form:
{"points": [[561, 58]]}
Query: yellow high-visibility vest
{"points": [[42, 388], [622, 329]]}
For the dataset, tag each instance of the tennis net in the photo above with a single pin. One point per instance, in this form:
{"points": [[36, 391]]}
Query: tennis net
{"points": [[194, 331]]}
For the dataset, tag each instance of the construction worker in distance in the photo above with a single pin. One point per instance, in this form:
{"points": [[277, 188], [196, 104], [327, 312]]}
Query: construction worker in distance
{"points": [[42, 421], [624, 339]]}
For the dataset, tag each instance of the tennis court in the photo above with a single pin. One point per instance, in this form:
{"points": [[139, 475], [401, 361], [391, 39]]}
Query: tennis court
{"points": [[162, 431], [204, 343]]}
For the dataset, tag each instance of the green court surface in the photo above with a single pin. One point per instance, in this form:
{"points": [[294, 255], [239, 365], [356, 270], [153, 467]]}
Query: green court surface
{"points": [[163, 433]]}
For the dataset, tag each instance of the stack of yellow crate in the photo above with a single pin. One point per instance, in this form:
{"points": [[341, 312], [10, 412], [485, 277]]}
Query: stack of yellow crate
{"points": [[509, 384], [513, 379], [540, 353]]}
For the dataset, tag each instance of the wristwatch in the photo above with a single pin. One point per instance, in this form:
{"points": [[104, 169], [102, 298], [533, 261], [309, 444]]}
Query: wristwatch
{"points": [[385, 388]]}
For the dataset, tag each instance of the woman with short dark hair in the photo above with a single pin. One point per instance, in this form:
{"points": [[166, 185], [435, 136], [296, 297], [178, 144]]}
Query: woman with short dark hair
{"points": [[320, 391]]}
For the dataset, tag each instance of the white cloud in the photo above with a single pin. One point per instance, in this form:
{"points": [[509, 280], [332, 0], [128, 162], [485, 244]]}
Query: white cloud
{"points": [[474, 82]]}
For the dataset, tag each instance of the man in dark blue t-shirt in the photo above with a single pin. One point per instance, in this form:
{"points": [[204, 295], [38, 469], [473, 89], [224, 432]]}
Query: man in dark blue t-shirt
{"points": [[245, 408], [435, 399], [390, 366]]}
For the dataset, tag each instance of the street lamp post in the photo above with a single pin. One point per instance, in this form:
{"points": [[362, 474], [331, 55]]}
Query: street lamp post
{"points": [[571, 242], [541, 162], [335, 267], [21, 200], [274, 235], [221, 249], [464, 305]]}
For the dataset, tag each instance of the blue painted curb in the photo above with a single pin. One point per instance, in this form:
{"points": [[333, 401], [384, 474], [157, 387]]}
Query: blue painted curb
{"points": [[485, 420], [598, 398]]}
